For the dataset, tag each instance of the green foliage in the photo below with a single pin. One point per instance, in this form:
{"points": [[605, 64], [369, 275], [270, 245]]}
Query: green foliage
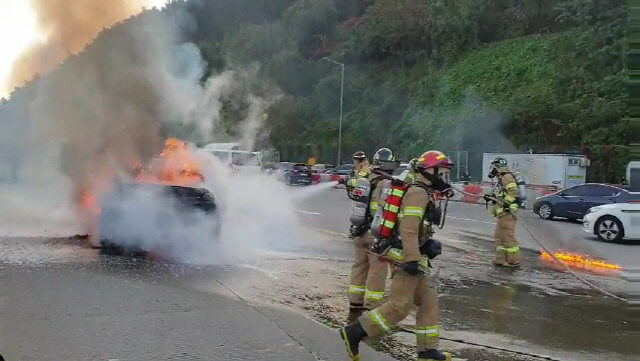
{"points": [[474, 75]]}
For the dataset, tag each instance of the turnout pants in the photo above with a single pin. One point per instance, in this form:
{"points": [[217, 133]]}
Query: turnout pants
{"points": [[368, 275], [407, 290], [507, 247]]}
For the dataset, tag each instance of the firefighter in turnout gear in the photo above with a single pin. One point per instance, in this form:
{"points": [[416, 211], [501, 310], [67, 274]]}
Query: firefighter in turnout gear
{"points": [[505, 204], [411, 176], [360, 170], [410, 252], [368, 273]]}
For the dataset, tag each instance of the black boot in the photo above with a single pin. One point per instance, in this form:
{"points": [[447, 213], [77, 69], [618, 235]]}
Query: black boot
{"points": [[352, 335], [355, 311], [433, 355]]}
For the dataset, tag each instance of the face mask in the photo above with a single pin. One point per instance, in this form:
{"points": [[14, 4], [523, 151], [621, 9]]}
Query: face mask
{"points": [[493, 173]]}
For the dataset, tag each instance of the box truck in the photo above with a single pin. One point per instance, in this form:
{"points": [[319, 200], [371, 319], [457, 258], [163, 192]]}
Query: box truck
{"points": [[542, 171]]}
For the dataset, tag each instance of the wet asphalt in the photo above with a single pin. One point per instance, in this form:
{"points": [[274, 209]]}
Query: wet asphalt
{"points": [[60, 300]]}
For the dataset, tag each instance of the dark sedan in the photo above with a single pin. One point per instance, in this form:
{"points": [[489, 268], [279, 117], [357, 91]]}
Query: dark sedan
{"points": [[573, 202], [294, 173], [341, 172]]}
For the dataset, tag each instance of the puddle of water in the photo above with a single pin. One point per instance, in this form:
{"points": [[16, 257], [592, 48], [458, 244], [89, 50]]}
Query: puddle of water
{"points": [[592, 325]]}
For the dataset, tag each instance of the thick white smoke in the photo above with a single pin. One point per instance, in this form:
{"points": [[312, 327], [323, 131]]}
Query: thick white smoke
{"points": [[110, 108]]}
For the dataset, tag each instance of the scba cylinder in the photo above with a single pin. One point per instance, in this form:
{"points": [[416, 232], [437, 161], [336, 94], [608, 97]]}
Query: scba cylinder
{"points": [[360, 196]]}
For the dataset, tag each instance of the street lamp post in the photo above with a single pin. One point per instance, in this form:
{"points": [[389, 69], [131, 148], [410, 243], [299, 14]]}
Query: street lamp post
{"points": [[341, 103]]}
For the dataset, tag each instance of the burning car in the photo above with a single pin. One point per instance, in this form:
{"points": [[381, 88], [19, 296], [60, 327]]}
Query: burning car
{"points": [[158, 210]]}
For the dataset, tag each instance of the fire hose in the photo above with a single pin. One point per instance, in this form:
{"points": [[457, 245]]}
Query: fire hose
{"points": [[555, 258]]}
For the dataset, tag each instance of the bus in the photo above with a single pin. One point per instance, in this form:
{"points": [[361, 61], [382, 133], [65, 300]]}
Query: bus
{"points": [[232, 155]]}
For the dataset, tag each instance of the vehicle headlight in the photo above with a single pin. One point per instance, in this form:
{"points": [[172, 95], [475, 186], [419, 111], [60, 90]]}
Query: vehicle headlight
{"points": [[593, 209]]}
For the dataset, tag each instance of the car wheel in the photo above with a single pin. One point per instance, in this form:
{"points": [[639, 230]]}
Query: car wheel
{"points": [[545, 211], [287, 180], [609, 228]]}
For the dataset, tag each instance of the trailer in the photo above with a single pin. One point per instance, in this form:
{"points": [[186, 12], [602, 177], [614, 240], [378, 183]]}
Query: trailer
{"points": [[633, 175], [542, 171]]}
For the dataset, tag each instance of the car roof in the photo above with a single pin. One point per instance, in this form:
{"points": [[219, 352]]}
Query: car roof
{"points": [[599, 184]]}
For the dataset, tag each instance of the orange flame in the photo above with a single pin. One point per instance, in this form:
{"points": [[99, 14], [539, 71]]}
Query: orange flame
{"points": [[177, 165], [577, 260]]}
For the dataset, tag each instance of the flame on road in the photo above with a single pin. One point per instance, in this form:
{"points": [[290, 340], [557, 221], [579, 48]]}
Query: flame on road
{"points": [[579, 261]]}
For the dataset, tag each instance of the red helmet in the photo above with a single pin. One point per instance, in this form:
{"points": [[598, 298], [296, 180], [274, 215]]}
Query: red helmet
{"points": [[433, 159]]}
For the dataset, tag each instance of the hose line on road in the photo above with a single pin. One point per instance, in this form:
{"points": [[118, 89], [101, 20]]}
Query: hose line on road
{"points": [[560, 262], [502, 349]]}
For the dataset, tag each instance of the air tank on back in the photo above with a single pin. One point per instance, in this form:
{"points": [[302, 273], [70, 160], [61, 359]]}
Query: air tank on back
{"points": [[360, 196]]}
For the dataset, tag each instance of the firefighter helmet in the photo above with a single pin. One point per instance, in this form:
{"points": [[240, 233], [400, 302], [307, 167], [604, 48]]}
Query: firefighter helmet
{"points": [[359, 156], [412, 163], [385, 160], [499, 162], [433, 159]]}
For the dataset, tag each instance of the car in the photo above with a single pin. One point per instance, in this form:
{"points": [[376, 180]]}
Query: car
{"points": [[294, 173], [164, 197], [341, 172], [401, 172], [613, 222], [573, 202]]}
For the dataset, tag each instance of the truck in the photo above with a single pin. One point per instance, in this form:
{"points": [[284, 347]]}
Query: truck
{"points": [[233, 155], [549, 172], [633, 175]]}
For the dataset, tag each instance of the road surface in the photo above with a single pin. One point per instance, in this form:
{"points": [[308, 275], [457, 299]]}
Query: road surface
{"points": [[60, 302], [328, 209]]}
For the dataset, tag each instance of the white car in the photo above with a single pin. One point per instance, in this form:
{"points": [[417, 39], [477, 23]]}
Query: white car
{"points": [[401, 172], [613, 222]]}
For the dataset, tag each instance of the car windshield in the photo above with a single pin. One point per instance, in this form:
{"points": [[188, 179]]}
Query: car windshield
{"points": [[400, 169], [343, 168], [301, 167]]}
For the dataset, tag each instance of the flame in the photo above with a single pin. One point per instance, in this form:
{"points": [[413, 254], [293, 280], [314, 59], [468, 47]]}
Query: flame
{"points": [[577, 260], [177, 165]]}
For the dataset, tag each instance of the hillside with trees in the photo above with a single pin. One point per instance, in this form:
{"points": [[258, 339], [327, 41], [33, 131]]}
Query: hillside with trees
{"points": [[456, 75]]}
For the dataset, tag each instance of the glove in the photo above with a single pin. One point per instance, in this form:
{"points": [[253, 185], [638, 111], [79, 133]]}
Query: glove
{"points": [[431, 248], [511, 207], [448, 193], [487, 198], [412, 268]]}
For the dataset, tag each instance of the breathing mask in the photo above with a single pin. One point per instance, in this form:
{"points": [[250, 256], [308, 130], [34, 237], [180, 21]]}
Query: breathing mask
{"points": [[493, 172]]}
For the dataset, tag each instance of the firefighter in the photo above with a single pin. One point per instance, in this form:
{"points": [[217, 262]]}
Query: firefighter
{"points": [[411, 283], [505, 207], [411, 176], [368, 273], [361, 168]]}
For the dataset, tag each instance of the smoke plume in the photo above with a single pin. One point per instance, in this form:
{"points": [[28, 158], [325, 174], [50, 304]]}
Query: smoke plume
{"points": [[68, 27], [111, 107]]}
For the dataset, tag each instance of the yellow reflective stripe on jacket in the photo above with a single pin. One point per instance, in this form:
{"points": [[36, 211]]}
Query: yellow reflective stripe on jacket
{"points": [[377, 318], [363, 174], [510, 186], [509, 198], [397, 255], [413, 211], [513, 249], [372, 295], [356, 289], [392, 208], [374, 206], [428, 331]]}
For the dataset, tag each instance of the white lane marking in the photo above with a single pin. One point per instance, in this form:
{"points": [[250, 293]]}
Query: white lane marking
{"points": [[308, 212], [471, 220]]}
